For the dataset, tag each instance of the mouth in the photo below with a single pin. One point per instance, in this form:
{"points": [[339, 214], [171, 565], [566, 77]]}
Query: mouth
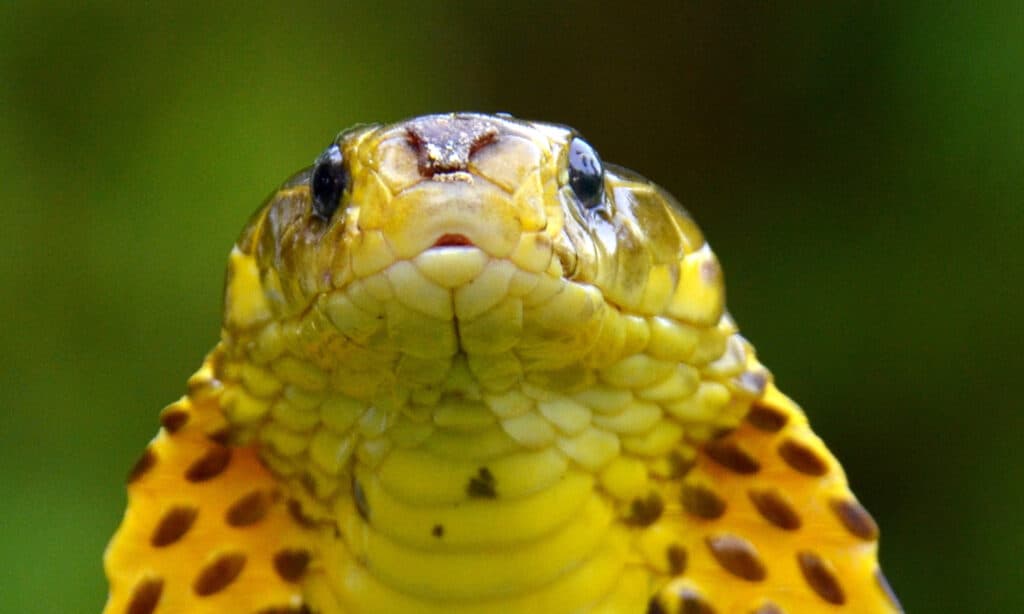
{"points": [[453, 240]]}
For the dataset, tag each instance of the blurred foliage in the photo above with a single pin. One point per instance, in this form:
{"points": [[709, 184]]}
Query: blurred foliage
{"points": [[857, 167]]}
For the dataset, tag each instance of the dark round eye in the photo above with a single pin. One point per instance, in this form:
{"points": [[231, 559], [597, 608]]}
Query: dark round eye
{"points": [[586, 175], [328, 182]]}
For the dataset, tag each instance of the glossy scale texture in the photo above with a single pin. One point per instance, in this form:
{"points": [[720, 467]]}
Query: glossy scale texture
{"points": [[465, 391]]}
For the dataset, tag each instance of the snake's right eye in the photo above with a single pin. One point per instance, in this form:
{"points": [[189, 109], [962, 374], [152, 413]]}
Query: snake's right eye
{"points": [[330, 177], [586, 173]]}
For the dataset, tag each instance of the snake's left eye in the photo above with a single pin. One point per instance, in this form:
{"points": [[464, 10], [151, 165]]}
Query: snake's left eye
{"points": [[586, 174], [330, 177]]}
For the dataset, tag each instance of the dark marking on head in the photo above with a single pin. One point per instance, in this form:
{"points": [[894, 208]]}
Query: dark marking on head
{"points": [[855, 518], [145, 596], [445, 144], [644, 511], [886, 589], [172, 419], [359, 497], [248, 509], [737, 556], [702, 502], [437, 531], [767, 608], [767, 418], [775, 508], [144, 464], [209, 465], [218, 574], [291, 564], [821, 577], [481, 486], [173, 525], [731, 456], [802, 458], [676, 557]]}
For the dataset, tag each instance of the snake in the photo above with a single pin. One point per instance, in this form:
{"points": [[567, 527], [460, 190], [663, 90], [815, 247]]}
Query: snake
{"points": [[466, 366]]}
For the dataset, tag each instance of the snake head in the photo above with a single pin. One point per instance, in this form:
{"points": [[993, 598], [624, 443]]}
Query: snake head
{"points": [[507, 242]]}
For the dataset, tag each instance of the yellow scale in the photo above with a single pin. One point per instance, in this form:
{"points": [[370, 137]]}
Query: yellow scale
{"points": [[466, 367]]}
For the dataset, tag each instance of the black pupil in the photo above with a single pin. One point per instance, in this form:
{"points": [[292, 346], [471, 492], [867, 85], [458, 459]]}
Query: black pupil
{"points": [[328, 182], [586, 176]]}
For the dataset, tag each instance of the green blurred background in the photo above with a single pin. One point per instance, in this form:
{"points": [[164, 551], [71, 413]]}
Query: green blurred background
{"points": [[857, 166]]}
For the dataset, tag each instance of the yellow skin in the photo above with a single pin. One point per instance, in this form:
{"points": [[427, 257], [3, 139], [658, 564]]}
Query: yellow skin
{"points": [[469, 389]]}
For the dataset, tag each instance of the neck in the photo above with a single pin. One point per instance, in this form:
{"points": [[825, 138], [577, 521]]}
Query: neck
{"points": [[442, 472]]}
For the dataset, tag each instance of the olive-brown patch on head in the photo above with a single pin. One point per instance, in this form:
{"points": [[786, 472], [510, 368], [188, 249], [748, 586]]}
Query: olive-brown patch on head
{"points": [[249, 509], [444, 144], [290, 564], [173, 525], [855, 518], [737, 556], [702, 502], [219, 573], [890, 594], [141, 466], [209, 465], [802, 458], [644, 511], [775, 508], [481, 485], [676, 557], [145, 596], [821, 577], [767, 418], [731, 456], [172, 419], [437, 531]]}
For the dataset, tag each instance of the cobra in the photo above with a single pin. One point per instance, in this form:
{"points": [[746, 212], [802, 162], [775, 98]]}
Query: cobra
{"points": [[465, 366]]}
